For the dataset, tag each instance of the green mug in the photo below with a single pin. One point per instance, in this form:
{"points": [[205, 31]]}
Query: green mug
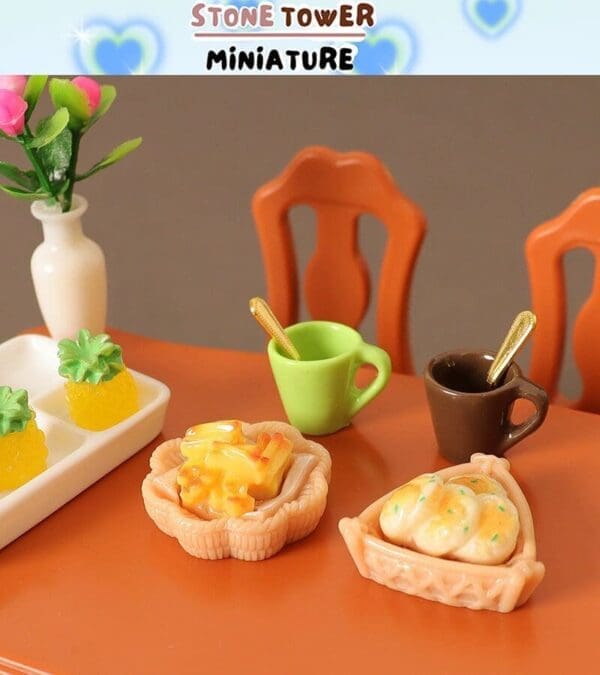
{"points": [[318, 392]]}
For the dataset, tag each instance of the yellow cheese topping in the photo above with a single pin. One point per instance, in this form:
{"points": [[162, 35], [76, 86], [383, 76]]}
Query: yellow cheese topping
{"points": [[467, 518], [225, 473]]}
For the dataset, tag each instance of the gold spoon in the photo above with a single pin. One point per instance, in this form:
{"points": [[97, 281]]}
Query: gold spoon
{"points": [[261, 311], [521, 329]]}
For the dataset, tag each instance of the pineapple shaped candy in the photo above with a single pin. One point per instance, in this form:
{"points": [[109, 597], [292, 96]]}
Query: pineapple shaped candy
{"points": [[23, 450], [100, 390]]}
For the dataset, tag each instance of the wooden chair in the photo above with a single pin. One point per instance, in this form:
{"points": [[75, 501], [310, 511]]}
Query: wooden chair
{"points": [[576, 227], [340, 187]]}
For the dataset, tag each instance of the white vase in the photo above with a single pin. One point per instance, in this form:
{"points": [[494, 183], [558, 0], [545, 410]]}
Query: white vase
{"points": [[69, 272]]}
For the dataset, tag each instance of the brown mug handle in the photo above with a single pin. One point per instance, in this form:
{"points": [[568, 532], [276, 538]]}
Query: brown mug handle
{"points": [[524, 388]]}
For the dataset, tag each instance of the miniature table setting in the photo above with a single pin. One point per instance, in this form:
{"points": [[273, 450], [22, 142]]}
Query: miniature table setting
{"points": [[318, 506], [130, 599]]}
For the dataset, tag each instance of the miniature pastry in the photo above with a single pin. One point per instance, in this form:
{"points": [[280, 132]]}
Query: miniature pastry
{"points": [[225, 473], [231, 489], [100, 390], [462, 536], [23, 450], [467, 518]]}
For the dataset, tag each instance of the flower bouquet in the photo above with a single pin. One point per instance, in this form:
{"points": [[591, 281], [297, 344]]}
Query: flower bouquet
{"points": [[53, 148], [68, 268]]}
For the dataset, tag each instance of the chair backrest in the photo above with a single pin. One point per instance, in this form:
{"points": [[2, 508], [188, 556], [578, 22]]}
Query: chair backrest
{"points": [[340, 187], [576, 227]]}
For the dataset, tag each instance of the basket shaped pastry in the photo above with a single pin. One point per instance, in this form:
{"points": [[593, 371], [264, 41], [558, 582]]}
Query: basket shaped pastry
{"points": [[290, 515], [499, 587]]}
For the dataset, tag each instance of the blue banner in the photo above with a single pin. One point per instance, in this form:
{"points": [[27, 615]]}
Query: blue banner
{"points": [[317, 37]]}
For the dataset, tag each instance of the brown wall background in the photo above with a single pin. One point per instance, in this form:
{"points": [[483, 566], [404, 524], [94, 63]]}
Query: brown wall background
{"points": [[486, 158]]}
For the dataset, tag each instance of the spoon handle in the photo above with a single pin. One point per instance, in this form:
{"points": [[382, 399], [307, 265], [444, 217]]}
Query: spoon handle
{"points": [[520, 330], [261, 311]]}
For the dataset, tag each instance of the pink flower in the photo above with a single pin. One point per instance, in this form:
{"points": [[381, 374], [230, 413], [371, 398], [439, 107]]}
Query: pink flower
{"points": [[12, 113], [91, 89], [15, 83]]}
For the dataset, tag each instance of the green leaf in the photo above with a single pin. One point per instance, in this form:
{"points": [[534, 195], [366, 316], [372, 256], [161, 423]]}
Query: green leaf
{"points": [[108, 94], [24, 194], [33, 90], [90, 358], [14, 410], [65, 94], [113, 157], [56, 157], [26, 179], [63, 188], [49, 128]]}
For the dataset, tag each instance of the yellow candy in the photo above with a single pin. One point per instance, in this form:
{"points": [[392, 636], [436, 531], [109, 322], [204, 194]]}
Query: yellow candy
{"points": [[23, 455], [225, 473], [99, 406]]}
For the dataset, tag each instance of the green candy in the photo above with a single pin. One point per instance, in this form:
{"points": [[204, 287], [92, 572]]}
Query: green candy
{"points": [[90, 358], [14, 410]]}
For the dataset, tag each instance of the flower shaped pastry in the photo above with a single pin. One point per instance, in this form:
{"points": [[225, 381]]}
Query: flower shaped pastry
{"points": [[204, 528]]}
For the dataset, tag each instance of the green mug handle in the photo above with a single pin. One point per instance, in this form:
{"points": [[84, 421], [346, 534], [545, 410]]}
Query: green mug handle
{"points": [[379, 358]]}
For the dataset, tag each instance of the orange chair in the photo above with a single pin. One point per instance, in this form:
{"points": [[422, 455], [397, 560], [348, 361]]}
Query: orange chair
{"points": [[340, 187], [576, 227]]}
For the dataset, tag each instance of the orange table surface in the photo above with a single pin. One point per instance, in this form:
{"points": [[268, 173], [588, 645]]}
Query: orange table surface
{"points": [[97, 588]]}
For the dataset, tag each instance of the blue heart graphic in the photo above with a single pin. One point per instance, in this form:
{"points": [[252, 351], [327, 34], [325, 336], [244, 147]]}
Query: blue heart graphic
{"points": [[491, 12], [134, 47], [492, 18], [116, 58], [375, 59], [389, 49]]}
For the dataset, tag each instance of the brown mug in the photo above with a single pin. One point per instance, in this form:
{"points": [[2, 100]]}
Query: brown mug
{"points": [[470, 417]]}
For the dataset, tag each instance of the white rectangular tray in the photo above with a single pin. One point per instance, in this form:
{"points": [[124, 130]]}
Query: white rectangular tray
{"points": [[76, 457]]}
